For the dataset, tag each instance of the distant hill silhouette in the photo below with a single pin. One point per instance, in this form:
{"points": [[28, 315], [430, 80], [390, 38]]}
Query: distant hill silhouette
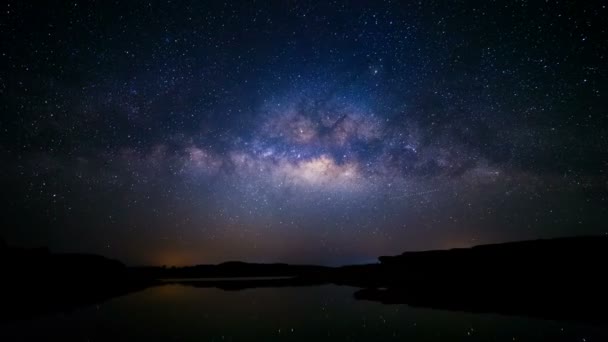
{"points": [[230, 269], [560, 278]]}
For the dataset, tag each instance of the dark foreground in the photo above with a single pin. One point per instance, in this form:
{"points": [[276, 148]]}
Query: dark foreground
{"points": [[560, 279], [174, 312]]}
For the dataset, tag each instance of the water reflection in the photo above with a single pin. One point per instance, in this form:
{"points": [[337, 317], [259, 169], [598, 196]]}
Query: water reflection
{"points": [[176, 312]]}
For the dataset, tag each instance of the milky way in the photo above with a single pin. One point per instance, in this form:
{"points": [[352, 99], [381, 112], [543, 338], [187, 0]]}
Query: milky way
{"points": [[300, 132]]}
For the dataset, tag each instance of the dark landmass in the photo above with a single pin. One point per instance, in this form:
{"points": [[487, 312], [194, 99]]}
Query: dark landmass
{"points": [[35, 281], [526, 265], [553, 279]]}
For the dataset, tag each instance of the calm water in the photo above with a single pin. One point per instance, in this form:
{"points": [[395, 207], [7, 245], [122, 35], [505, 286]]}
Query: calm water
{"points": [[323, 313]]}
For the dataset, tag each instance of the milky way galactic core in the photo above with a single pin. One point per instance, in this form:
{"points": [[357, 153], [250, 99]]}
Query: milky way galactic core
{"points": [[309, 132]]}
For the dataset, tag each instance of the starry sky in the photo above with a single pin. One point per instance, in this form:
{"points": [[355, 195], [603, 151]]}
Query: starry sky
{"points": [[326, 132]]}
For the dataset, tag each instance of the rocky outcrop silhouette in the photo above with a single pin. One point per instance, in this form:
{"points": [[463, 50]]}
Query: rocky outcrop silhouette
{"points": [[557, 278]]}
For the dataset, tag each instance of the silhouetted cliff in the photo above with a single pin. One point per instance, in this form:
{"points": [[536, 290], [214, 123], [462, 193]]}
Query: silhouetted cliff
{"points": [[558, 278]]}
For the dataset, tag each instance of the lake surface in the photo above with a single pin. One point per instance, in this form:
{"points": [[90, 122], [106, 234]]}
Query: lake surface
{"points": [[320, 313]]}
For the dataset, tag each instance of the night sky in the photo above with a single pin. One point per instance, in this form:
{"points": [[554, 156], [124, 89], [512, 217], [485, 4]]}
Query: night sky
{"points": [[310, 132]]}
